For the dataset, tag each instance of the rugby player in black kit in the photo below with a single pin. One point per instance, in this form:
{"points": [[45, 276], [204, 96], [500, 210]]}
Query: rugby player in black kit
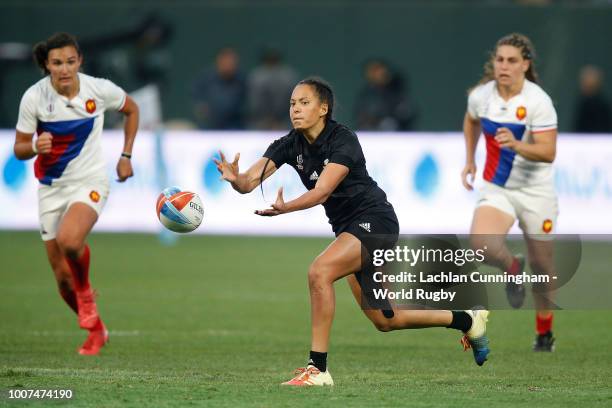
{"points": [[329, 160]]}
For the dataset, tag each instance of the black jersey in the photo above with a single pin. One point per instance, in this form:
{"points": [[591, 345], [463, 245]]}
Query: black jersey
{"points": [[356, 194]]}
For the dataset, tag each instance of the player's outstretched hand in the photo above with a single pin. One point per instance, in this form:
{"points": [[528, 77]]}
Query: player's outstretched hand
{"points": [[44, 143], [124, 169], [467, 176], [277, 208], [229, 171]]}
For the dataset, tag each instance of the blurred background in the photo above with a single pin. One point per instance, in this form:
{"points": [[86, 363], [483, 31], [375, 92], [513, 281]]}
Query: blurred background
{"points": [[433, 52], [400, 70]]}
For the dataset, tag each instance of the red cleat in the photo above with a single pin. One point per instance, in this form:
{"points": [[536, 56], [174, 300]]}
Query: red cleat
{"points": [[88, 312], [94, 342]]}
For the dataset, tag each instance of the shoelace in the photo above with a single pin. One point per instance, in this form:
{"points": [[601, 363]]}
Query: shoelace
{"points": [[302, 373], [299, 370]]}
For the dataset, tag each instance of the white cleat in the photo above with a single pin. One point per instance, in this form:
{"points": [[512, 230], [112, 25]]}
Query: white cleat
{"points": [[476, 338], [310, 376]]}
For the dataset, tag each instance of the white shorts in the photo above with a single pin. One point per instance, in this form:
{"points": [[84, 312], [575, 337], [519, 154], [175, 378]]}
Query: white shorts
{"points": [[54, 201], [535, 207]]}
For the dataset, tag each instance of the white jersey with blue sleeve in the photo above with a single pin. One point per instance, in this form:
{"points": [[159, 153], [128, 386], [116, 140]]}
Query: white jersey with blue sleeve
{"points": [[529, 112], [75, 124]]}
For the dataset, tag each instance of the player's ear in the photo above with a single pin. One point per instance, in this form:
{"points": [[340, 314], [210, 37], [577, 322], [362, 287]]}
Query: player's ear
{"points": [[526, 64], [323, 109]]}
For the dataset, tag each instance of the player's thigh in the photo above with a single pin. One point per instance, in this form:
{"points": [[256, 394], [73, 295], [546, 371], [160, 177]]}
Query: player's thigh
{"points": [[495, 212], [76, 225], [489, 229], [86, 203], [537, 212], [52, 203], [341, 258], [491, 220], [540, 253], [374, 314]]}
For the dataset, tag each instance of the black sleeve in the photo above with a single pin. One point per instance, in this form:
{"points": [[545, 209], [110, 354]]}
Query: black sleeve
{"points": [[345, 148], [279, 150]]}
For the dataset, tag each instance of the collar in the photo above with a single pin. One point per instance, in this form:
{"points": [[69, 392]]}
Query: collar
{"points": [[329, 128]]}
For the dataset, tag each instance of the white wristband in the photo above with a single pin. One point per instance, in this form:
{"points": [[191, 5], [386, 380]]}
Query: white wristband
{"points": [[34, 149]]}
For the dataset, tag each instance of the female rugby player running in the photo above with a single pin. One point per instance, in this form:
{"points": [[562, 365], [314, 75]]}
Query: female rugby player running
{"points": [[331, 165], [66, 110], [519, 122]]}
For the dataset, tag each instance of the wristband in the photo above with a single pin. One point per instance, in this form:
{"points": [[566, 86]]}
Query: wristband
{"points": [[126, 155], [34, 149]]}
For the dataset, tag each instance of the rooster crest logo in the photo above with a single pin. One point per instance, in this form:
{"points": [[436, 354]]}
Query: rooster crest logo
{"points": [[521, 112], [90, 106], [94, 196]]}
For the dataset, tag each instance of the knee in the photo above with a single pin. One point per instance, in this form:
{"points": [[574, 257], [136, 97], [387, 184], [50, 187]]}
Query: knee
{"points": [[494, 248], [318, 275], [540, 265], [69, 246], [383, 325]]}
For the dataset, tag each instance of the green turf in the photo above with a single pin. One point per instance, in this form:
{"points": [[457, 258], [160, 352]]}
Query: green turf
{"points": [[221, 321]]}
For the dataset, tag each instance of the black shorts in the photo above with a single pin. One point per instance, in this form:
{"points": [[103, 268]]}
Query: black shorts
{"points": [[376, 229]]}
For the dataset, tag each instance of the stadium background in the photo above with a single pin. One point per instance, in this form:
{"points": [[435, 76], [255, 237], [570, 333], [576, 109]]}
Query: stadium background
{"points": [[440, 45], [220, 320]]}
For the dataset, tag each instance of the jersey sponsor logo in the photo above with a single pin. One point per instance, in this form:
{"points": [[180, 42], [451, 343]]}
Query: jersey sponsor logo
{"points": [[94, 196], [50, 108], [314, 176], [90, 106], [547, 226], [300, 162], [521, 112], [365, 226]]}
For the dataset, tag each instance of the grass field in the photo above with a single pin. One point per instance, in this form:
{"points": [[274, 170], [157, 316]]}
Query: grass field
{"points": [[221, 321]]}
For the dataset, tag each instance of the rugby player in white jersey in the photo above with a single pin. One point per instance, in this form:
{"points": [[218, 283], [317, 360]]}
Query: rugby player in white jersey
{"points": [[519, 123], [65, 110]]}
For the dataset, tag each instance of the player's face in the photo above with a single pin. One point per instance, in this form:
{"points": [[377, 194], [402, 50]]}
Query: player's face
{"points": [[509, 65], [63, 65], [305, 108]]}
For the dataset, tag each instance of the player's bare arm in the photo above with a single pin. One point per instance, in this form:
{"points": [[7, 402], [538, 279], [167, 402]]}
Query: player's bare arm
{"points": [[130, 127], [26, 146], [543, 148], [471, 132], [248, 181], [331, 177]]}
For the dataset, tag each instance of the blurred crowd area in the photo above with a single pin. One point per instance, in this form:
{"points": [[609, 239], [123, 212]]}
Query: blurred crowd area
{"points": [[230, 92], [226, 96]]}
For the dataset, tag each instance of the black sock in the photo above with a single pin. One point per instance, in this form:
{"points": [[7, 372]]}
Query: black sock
{"points": [[461, 321], [318, 360]]}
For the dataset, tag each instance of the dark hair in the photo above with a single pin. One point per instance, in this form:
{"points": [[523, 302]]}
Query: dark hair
{"points": [[323, 91], [40, 52], [325, 95], [524, 44]]}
